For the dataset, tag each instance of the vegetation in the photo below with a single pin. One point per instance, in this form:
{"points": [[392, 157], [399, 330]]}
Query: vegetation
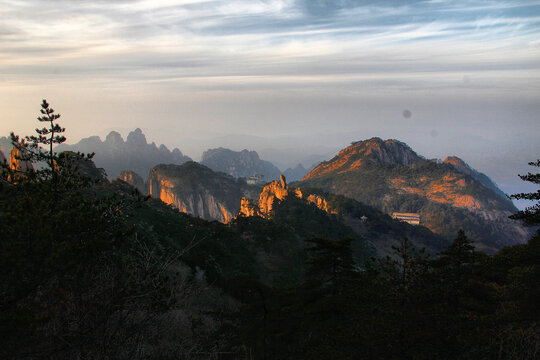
{"points": [[371, 186], [531, 215], [80, 280], [92, 270], [462, 305], [377, 228]]}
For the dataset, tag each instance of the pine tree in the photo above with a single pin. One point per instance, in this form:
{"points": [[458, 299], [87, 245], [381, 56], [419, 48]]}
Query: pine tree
{"points": [[35, 149], [531, 215]]}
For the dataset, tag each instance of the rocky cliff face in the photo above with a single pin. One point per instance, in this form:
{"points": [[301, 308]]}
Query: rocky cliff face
{"points": [[135, 154], [197, 190], [135, 180], [239, 163], [392, 177], [3, 159]]}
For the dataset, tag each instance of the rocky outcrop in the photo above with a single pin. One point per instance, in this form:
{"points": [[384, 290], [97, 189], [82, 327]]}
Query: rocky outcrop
{"points": [[248, 209], [374, 150], [3, 159], [321, 203], [197, 190], [239, 163], [135, 180], [135, 154], [274, 192], [464, 168]]}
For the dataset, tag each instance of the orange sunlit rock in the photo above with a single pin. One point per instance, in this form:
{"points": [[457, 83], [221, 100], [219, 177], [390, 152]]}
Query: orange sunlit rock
{"points": [[247, 209], [445, 191], [15, 162], [321, 203], [202, 205]]}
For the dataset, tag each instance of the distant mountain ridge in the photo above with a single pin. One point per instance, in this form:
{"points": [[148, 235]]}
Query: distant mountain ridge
{"points": [[450, 195], [135, 153], [243, 163], [296, 173]]}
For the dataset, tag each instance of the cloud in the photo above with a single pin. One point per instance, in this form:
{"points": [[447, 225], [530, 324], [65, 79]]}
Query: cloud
{"points": [[239, 44], [271, 66]]}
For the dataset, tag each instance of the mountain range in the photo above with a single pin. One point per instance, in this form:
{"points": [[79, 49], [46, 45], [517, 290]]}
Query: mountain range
{"points": [[386, 175], [243, 163], [135, 153]]}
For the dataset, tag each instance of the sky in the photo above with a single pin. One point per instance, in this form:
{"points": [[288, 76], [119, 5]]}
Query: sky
{"points": [[287, 78]]}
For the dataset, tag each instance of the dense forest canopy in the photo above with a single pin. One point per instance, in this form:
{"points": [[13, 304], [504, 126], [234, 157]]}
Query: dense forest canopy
{"points": [[91, 269]]}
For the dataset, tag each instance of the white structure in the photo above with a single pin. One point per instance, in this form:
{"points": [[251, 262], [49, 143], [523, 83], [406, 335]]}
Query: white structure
{"points": [[411, 218], [255, 179]]}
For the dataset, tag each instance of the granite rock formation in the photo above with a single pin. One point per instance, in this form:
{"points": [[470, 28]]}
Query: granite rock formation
{"points": [[197, 190], [277, 191]]}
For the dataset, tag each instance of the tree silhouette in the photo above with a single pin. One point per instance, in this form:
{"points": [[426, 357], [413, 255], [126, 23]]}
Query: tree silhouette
{"points": [[39, 148], [531, 215]]}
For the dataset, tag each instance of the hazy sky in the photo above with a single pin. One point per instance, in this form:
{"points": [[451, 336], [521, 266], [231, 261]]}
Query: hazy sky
{"points": [[321, 72]]}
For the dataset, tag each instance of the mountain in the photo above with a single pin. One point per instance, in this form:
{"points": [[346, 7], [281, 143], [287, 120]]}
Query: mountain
{"points": [[295, 174], [390, 176], [464, 168], [197, 190], [134, 154], [243, 163]]}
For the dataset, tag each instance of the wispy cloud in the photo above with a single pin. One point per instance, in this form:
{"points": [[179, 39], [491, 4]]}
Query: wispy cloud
{"points": [[242, 44]]}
